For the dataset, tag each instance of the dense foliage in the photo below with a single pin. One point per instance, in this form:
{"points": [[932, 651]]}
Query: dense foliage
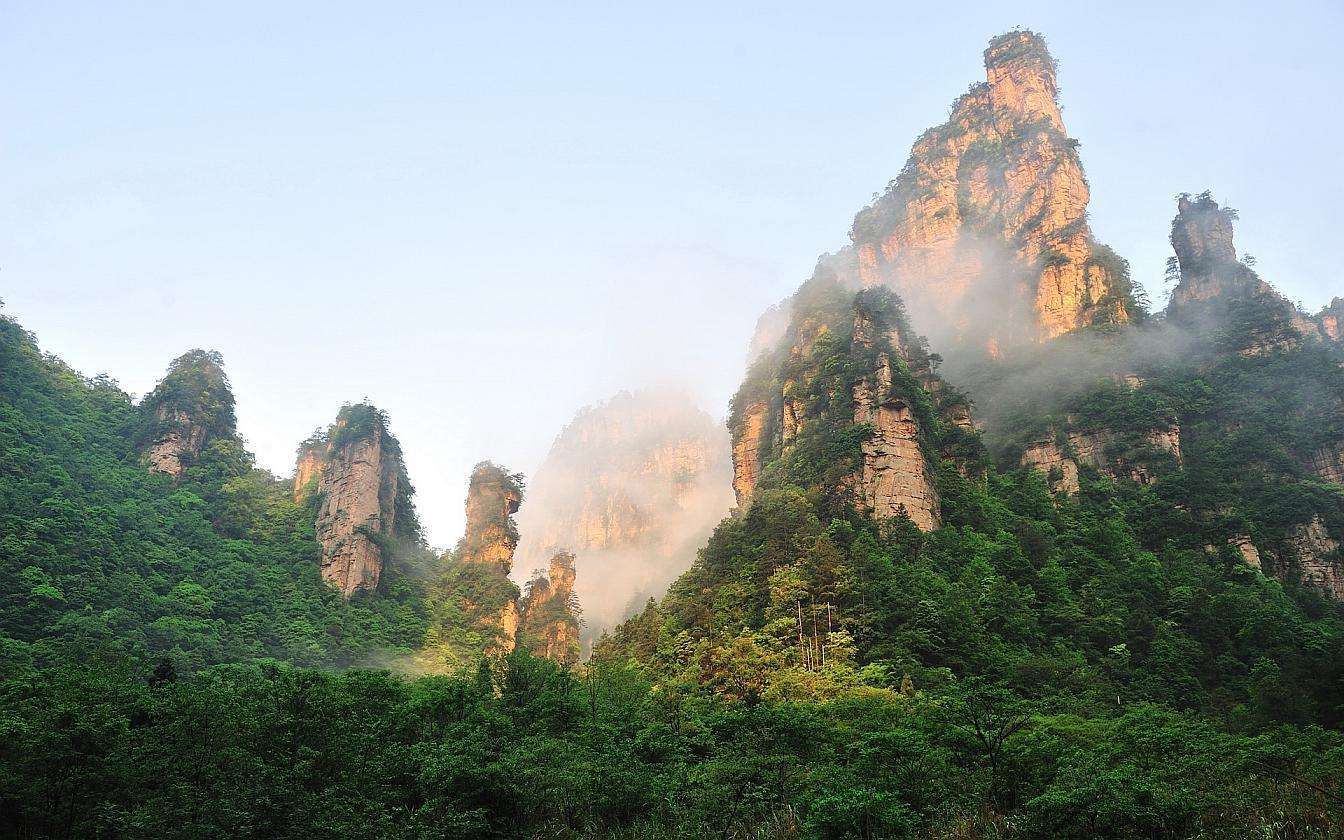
{"points": [[1043, 665], [100, 558]]}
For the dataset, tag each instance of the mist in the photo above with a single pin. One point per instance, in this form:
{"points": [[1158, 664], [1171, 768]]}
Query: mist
{"points": [[633, 486]]}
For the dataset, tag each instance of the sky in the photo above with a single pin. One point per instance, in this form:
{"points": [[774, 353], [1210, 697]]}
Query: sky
{"points": [[484, 216]]}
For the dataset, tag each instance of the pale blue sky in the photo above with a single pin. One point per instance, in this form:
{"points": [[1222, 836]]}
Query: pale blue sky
{"points": [[484, 216]]}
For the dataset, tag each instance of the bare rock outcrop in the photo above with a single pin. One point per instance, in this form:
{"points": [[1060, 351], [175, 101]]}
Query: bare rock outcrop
{"points": [[984, 234], [1104, 451], [896, 478], [1330, 321], [1327, 463], [1316, 556], [550, 611], [190, 406], [355, 467], [1212, 280]]}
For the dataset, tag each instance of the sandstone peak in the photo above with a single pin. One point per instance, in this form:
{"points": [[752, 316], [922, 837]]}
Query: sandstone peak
{"points": [[984, 233], [486, 550], [493, 497], [1201, 236], [896, 418], [192, 405], [356, 470]]}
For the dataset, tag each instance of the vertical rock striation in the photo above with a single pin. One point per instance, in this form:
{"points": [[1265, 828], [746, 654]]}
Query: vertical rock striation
{"points": [[849, 403], [190, 406], [895, 479], [984, 233], [356, 470]]}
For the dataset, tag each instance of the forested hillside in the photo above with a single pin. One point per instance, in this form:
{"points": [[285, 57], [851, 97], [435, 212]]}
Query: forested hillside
{"points": [[1083, 578], [102, 558]]}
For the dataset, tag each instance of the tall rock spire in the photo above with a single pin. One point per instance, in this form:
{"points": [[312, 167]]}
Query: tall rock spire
{"points": [[487, 546], [356, 469], [984, 233]]}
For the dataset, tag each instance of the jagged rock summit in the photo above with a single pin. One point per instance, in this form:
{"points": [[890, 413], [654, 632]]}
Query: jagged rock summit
{"points": [[984, 233], [363, 496], [191, 406]]}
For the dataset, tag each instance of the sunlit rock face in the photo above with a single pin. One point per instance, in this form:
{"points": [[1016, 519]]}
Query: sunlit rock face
{"points": [[748, 438], [493, 497], [355, 469], [895, 477], [984, 233], [549, 610], [633, 486], [190, 406]]}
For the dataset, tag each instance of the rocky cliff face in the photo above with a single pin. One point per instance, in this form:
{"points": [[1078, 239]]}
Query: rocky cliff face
{"points": [[549, 611], [895, 478], [850, 368], [1315, 555], [355, 467], [633, 486], [190, 406], [984, 234], [1330, 321], [1201, 236]]}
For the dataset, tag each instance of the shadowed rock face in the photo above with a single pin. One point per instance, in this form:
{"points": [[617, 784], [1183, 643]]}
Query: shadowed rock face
{"points": [[190, 406], [984, 234], [355, 468], [1316, 557], [1213, 281], [895, 478], [1106, 452]]}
